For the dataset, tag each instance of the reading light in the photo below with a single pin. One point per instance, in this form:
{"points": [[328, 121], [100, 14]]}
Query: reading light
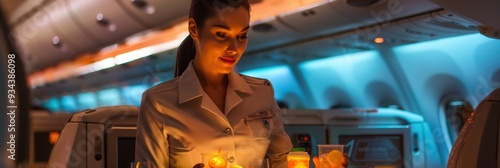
{"points": [[263, 27], [379, 40]]}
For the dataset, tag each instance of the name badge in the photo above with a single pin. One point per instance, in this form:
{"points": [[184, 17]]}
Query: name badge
{"points": [[258, 116]]}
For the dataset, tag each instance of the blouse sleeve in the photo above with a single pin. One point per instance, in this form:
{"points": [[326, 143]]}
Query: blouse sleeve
{"points": [[280, 143], [151, 143]]}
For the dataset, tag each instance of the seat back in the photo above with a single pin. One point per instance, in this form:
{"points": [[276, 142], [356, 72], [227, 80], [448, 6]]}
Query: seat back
{"points": [[477, 144], [101, 137]]}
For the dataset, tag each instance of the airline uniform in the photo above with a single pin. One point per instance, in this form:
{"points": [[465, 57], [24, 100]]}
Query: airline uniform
{"points": [[178, 122]]}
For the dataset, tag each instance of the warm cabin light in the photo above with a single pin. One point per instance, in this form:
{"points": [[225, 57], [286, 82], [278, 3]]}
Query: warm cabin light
{"points": [[217, 162], [133, 55], [379, 40], [103, 64], [53, 136]]}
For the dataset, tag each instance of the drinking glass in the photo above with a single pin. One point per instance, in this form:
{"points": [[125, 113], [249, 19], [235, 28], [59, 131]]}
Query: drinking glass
{"points": [[331, 155], [141, 165]]}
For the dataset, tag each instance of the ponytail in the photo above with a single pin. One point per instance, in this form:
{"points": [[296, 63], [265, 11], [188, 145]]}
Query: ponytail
{"points": [[185, 53]]}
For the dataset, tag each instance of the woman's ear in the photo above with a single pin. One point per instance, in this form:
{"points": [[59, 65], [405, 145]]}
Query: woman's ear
{"points": [[192, 28]]}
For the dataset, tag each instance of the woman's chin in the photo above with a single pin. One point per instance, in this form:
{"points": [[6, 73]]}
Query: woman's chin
{"points": [[226, 70]]}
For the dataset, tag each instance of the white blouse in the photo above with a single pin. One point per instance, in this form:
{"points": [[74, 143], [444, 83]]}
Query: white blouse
{"points": [[178, 122]]}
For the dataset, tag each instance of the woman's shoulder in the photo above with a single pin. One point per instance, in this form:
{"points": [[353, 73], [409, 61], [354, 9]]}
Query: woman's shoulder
{"points": [[255, 80], [166, 86]]}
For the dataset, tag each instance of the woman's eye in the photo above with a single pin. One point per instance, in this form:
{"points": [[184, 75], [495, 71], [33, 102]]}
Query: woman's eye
{"points": [[221, 35], [244, 37]]}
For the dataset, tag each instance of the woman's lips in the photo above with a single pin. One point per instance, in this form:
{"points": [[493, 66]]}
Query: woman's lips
{"points": [[228, 60]]}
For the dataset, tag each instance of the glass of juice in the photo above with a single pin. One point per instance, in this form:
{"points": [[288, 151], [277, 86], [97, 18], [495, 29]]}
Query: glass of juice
{"points": [[330, 155], [141, 165], [298, 160]]}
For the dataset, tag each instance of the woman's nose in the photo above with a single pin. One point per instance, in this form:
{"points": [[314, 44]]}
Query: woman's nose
{"points": [[232, 49], [231, 52]]}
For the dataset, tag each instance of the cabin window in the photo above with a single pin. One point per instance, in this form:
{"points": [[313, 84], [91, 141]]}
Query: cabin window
{"points": [[390, 104], [340, 106], [456, 114], [282, 104]]}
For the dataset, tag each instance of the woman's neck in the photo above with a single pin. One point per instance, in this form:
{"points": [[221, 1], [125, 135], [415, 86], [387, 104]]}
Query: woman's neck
{"points": [[210, 79], [214, 84]]}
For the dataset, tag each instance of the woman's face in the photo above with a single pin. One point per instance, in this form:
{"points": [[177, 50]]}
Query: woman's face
{"points": [[221, 40]]}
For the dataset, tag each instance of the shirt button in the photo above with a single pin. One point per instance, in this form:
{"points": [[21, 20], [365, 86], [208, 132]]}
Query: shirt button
{"points": [[228, 131], [230, 159]]}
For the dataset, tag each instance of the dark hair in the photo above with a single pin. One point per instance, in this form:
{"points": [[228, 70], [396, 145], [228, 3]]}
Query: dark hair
{"points": [[200, 11]]}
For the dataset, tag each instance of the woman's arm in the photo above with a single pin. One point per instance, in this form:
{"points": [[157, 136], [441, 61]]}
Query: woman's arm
{"points": [[151, 144], [280, 143]]}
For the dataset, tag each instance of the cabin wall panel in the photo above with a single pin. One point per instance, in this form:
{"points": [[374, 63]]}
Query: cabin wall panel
{"points": [[460, 65], [354, 74]]}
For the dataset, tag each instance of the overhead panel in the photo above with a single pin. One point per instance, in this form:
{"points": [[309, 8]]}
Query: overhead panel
{"points": [[381, 10], [269, 33], [105, 20], [424, 27], [317, 19], [445, 22], [154, 13], [484, 12], [67, 30], [396, 33], [43, 46], [405, 32]]}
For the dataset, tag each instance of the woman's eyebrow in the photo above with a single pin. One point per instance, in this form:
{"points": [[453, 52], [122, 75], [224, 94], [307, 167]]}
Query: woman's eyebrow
{"points": [[246, 28], [228, 28], [223, 27]]}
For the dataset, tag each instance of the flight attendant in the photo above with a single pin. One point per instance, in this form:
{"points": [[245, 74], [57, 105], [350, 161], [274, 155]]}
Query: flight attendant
{"points": [[208, 107]]}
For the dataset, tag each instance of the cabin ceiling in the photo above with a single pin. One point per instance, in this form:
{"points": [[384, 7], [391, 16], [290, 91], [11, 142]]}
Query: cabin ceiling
{"points": [[300, 30], [9, 6]]}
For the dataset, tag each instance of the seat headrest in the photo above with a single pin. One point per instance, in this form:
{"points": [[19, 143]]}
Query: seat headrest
{"points": [[478, 141]]}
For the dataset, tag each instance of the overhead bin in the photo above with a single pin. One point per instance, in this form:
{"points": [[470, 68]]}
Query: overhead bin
{"points": [[68, 30], [42, 45], [445, 21], [270, 32], [154, 13], [64, 29], [340, 44], [382, 10], [397, 33], [319, 18], [484, 13], [339, 16], [105, 21], [429, 26]]}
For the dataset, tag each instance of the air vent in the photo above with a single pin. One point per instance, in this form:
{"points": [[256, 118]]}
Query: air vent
{"points": [[452, 25], [308, 13], [417, 32], [361, 3], [263, 28]]}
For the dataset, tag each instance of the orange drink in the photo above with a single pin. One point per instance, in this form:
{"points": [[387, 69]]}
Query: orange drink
{"points": [[330, 156], [298, 160]]}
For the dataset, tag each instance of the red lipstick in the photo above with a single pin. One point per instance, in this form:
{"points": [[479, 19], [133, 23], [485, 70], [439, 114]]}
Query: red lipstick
{"points": [[228, 60]]}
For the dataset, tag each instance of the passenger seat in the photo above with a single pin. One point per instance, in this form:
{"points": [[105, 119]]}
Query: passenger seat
{"points": [[95, 138], [477, 144]]}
